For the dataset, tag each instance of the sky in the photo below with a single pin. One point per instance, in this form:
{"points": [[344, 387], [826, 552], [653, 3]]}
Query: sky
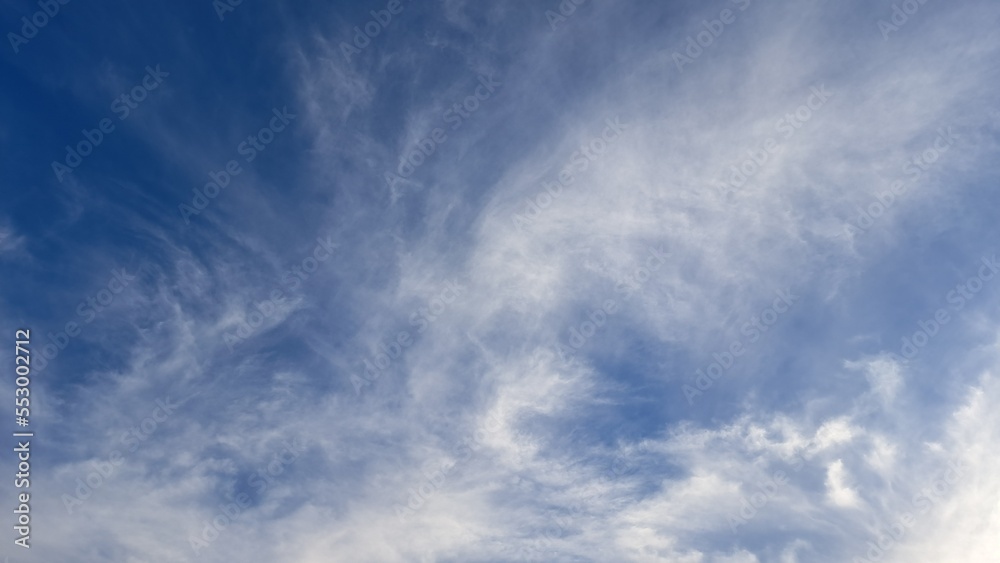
{"points": [[482, 281]]}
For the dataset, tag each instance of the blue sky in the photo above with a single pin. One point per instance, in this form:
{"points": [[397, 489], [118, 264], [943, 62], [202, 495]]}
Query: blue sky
{"points": [[464, 281]]}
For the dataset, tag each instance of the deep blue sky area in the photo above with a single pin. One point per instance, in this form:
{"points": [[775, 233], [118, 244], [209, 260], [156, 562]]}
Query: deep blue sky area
{"points": [[300, 279]]}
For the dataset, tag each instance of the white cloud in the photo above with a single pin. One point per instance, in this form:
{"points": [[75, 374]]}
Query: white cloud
{"points": [[837, 489]]}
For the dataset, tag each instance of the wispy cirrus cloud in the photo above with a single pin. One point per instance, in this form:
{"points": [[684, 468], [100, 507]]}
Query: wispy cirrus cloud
{"points": [[473, 440]]}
